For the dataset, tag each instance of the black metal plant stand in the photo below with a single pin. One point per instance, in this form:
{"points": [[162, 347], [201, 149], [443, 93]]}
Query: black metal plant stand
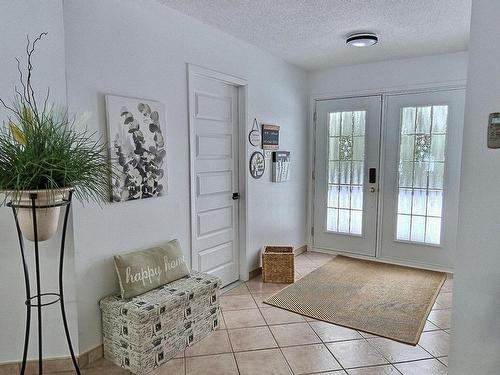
{"points": [[35, 301]]}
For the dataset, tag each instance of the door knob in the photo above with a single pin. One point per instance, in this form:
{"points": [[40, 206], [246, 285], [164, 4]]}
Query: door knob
{"points": [[236, 196], [372, 190]]}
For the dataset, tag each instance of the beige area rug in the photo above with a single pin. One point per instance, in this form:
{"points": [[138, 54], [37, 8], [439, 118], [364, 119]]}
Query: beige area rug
{"points": [[383, 299]]}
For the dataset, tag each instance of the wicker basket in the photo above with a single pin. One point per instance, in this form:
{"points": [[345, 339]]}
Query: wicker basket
{"points": [[278, 264]]}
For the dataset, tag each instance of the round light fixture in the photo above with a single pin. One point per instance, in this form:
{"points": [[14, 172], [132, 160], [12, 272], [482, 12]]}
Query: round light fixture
{"points": [[362, 39]]}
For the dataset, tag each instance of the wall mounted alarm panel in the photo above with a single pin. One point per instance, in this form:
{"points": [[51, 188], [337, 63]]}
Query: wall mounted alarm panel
{"points": [[494, 130]]}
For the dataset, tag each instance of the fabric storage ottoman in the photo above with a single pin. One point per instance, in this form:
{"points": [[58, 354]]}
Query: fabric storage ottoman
{"points": [[142, 333]]}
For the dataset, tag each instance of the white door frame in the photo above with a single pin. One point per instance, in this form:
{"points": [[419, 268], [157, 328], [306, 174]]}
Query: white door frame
{"points": [[242, 87], [384, 92]]}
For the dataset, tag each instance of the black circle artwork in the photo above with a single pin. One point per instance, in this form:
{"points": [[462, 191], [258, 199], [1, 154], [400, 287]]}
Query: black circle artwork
{"points": [[257, 164]]}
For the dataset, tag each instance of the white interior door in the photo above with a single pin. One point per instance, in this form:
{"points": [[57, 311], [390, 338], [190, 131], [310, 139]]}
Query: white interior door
{"points": [[423, 143], [346, 168], [214, 176]]}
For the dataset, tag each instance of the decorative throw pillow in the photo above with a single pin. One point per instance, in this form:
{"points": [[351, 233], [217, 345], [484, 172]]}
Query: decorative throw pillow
{"points": [[141, 271]]}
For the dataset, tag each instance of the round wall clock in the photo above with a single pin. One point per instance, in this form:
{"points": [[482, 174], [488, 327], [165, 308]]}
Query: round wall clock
{"points": [[257, 164], [254, 136]]}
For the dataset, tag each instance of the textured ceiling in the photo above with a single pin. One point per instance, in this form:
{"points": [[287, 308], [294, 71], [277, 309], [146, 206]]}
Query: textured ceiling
{"points": [[310, 33]]}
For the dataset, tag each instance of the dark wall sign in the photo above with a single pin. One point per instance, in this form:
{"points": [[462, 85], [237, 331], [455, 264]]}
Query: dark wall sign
{"points": [[270, 137], [257, 165]]}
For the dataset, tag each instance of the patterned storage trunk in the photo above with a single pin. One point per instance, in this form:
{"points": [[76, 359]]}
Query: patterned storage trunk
{"points": [[142, 333]]}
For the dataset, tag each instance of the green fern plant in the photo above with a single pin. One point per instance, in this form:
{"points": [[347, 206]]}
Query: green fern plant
{"points": [[43, 148]]}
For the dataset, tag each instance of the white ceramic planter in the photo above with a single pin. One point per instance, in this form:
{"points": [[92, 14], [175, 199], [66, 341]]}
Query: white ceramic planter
{"points": [[47, 218]]}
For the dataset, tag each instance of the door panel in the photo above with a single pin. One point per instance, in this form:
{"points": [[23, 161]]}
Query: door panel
{"points": [[423, 142], [214, 177], [347, 146]]}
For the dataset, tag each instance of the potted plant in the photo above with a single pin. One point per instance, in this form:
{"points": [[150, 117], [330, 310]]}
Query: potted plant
{"points": [[44, 150]]}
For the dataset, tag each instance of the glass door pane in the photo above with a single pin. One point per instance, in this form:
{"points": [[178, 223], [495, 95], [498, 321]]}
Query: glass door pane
{"points": [[421, 173], [346, 155]]}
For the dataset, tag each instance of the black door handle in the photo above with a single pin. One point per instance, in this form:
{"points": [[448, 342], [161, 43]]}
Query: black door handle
{"points": [[236, 196], [372, 175]]}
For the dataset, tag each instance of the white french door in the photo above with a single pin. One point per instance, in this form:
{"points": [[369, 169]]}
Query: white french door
{"points": [[411, 215], [347, 149], [423, 150]]}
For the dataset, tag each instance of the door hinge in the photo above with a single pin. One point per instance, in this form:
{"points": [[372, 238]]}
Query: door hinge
{"points": [[313, 175], [315, 116], [312, 231]]}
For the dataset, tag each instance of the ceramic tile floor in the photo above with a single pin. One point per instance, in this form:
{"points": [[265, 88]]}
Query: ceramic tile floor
{"points": [[256, 339]]}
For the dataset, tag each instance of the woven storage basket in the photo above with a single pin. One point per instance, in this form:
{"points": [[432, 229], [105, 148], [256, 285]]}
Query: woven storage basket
{"points": [[278, 264]]}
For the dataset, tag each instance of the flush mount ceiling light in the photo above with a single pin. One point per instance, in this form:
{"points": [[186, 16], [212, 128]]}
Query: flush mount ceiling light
{"points": [[362, 39]]}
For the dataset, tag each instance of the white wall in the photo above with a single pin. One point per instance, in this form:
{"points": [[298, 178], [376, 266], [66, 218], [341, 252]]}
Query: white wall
{"points": [[475, 340], [414, 73], [140, 49], [18, 19]]}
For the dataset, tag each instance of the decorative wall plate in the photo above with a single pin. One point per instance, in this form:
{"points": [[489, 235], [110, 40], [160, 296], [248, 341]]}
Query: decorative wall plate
{"points": [[257, 165], [254, 136]]}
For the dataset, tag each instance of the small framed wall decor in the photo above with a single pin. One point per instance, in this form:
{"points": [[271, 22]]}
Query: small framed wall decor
{"points": [[281, 166], [254, 136], [257, 165], [270, 137]]}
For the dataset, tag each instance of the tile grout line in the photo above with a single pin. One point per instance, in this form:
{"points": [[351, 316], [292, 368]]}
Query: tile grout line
{"points": [[382, 354], [323, 343], [274, 338], [432, 355], [326, 346], [232, 349], [420, 360], [393, 363], [281, 351]]}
